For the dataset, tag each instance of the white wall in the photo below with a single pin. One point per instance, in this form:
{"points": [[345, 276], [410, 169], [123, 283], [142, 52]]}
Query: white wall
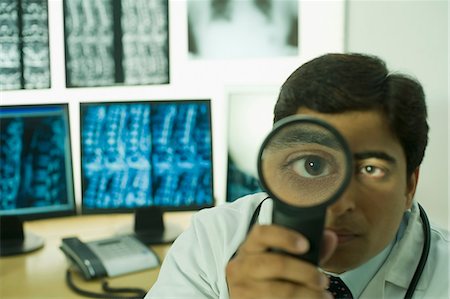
{"points": [[413, 37]]}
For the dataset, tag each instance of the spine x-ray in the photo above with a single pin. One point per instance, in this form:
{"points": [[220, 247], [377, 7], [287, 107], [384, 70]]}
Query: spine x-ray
{"points": [[24, 47], [112, 42], [33, 158], [136, 155]]}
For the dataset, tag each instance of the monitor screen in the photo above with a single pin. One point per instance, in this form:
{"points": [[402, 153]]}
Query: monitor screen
{"points": [[146, 154], [36, 179]]}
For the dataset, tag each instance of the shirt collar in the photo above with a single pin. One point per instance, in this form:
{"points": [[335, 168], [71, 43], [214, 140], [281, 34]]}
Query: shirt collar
{"points": [[358, 278]]}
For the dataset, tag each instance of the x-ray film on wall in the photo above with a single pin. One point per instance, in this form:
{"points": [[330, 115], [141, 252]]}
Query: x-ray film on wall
{"points": [[242, 28], [24, 45], [111, 42]]}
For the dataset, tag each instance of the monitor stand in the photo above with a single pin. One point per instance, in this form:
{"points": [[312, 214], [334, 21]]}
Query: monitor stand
{"points": [[13, 239], [150, 229]]}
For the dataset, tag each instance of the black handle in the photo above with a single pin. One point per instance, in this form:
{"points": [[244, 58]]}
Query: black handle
{"points": [[307, 221]]}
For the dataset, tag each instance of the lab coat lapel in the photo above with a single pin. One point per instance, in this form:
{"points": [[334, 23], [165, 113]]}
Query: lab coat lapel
{"points": [[402, 262]]}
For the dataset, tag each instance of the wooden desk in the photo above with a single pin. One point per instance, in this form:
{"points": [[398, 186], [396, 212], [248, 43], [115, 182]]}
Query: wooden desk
{"points": [[41, 274]]}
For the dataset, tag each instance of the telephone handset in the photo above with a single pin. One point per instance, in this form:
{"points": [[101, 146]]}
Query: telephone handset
{"points": [[109, 257]]}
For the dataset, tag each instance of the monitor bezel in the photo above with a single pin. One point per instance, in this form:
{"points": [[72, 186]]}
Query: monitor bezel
{"points": [[71, 200], [196, 207]]}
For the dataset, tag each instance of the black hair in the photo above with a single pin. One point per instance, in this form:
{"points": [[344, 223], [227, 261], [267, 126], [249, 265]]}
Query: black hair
{"points": [[335, 83]]}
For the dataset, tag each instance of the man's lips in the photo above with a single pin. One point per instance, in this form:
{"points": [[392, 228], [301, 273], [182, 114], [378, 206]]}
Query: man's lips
{"points": [[344, 236]]}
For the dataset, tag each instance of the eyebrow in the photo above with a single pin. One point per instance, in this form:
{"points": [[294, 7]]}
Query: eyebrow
{"points": [[305, 137], [375, 154]]}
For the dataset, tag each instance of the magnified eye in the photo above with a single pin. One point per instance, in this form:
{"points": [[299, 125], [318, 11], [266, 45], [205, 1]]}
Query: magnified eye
{"points": [[311, 166]]}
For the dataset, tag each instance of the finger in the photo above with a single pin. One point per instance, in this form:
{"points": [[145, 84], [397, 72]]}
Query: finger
{"points": [[278, 266], [263, 237], [329, 244]]}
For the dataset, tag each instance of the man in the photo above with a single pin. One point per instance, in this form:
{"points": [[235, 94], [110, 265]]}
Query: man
{"points": [[374, 235]]}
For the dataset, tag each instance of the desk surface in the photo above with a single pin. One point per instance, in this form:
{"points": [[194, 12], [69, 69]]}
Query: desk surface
{"points": [[41, 274]]}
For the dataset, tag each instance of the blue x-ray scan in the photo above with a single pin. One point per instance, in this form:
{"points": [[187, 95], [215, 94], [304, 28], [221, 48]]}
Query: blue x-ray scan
{"points": [[143, 154], [35, 160]]}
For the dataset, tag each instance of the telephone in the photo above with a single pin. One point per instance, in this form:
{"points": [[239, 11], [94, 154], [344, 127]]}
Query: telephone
{"points": [[109, 257]]}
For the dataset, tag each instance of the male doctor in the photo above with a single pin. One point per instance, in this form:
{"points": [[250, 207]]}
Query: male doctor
{"points": [[374, 233]]}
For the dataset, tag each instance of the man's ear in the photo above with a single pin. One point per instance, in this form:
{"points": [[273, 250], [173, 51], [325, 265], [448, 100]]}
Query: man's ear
{"points": [[411, 186]]}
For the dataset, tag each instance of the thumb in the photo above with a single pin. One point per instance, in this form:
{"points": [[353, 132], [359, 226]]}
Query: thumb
{"points": [[329, 244]]}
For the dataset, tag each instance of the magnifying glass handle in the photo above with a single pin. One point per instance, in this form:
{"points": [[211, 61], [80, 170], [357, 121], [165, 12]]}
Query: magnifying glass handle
{"points": [[308, 222]]}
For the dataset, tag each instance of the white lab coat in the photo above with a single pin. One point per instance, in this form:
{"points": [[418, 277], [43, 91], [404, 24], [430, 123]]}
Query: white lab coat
{"points": [[194, 267]]}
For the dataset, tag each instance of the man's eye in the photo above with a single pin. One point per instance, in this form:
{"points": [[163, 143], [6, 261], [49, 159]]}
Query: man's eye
{"points": [[372, 171], [311, 166]]}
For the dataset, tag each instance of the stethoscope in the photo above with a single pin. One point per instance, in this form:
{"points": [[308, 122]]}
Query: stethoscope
{"points": [[423, 258], [424, 255]]}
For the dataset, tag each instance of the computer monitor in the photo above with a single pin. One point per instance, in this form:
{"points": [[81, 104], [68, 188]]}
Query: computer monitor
{"points": [[146, 157], [36, 179]]}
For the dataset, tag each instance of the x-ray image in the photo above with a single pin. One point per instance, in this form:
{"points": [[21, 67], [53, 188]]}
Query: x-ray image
{"points": [[242, 28], [24, 47], [116, 42], [146, 154], [33, 158]]}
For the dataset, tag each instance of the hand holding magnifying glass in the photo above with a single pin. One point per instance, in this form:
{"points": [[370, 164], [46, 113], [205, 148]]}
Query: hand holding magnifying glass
{"points": [[304, 165]]}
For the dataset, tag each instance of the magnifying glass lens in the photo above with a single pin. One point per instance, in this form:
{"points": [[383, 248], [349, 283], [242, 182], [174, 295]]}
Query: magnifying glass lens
{"points": [[304, 164]]}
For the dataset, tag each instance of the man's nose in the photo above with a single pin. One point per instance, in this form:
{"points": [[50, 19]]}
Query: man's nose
{"points": [[346, 202]]}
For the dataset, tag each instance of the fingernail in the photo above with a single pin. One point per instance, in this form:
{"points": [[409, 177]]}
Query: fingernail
{"points": [[302, 245]]}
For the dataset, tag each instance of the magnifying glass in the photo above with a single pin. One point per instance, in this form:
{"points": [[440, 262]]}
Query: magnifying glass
{"points": [[304, 165]]}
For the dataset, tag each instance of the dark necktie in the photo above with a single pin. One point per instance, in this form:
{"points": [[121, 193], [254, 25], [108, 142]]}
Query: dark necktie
{"points": [[338, 288]]}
